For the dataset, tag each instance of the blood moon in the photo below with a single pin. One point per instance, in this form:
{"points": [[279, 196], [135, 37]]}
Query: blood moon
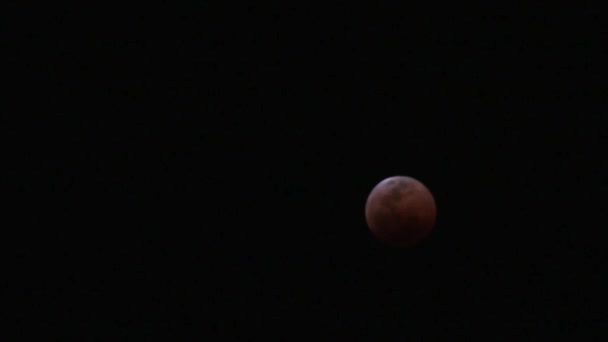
{"points": [[400, 211]]}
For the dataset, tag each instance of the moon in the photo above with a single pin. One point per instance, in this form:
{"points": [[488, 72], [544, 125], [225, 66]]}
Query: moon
{"points": [[400, 211]]}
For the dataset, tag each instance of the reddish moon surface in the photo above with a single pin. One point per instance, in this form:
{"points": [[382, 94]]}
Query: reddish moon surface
{"points": [[400, 211]]}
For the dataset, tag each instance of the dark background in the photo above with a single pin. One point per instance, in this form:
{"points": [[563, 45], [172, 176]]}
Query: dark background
{"points": [[188, 170]]}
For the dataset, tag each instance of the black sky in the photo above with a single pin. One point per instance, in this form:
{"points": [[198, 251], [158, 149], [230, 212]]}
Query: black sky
{"points": [[195, 170]]}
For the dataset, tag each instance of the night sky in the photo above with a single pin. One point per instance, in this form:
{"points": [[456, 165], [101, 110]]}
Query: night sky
{"points": [[204, 171]]}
